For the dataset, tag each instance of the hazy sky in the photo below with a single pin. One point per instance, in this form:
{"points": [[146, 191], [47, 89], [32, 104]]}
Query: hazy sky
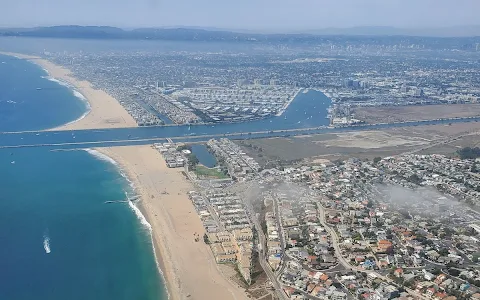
{"points": [[241, 14]]}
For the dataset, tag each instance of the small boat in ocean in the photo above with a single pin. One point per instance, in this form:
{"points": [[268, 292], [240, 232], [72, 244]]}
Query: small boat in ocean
{"points": [[37, 134], [39, 89], [12, 162]]}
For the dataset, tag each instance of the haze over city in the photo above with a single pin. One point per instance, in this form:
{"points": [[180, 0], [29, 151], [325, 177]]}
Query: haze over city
{"points": [[240, 150], [267, 15]]}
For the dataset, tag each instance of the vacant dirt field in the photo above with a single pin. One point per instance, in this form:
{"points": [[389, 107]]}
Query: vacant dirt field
{"points": [[415, 113], [364, 144]]}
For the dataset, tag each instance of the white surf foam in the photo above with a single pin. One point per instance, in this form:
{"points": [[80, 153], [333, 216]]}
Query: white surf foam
{"points": [[76, 93], [61, 82], [140, 216], [101, 156], [46, 71], [138, 213], [148, 226], [46, 244]]}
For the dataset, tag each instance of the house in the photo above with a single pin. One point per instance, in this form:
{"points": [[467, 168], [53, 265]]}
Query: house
{"points": [[475, 296], [427, 275], [439, 295], [430, 292], [384, 246], [398, 272], [440, 278], [337, 295], [432, 255]]}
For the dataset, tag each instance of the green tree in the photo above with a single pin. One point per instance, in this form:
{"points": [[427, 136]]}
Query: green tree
{"points": [[192, 160]]}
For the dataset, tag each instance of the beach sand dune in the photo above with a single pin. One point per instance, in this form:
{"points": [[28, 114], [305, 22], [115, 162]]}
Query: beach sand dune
{"points": [[189, 266], [105, 111]]}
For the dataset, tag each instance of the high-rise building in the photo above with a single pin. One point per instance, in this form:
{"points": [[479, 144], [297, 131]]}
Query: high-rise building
{"points": [[418, 92], [348, 83], [241, 82]]}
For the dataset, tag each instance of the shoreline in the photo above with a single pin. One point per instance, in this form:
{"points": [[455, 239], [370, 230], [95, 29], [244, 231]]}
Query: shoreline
{"points": [[102, 110], [126, 173], [285, 107], [188, 268]]}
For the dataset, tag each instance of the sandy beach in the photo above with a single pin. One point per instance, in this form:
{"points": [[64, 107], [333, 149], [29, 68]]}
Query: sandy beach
{"points": [[105, 111], [188, 266]]}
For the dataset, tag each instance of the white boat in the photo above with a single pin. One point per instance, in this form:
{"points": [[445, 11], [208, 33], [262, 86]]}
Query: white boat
{"points": [[12, 162]]}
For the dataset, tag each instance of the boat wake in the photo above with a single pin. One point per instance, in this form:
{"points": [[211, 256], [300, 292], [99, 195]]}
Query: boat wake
{"points": [[46, 244]]}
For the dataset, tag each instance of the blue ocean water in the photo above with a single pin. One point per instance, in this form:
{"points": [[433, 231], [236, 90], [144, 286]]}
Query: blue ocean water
{"points": [[59, 240], [30, 101]]}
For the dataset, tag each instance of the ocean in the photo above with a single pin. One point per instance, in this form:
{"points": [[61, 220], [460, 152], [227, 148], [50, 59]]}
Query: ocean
{"points": [[59, 239]]}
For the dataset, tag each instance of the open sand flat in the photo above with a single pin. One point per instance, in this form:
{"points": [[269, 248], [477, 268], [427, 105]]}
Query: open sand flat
{"points": [[371, 140], [105, 111], [389, 114], [189, 266]]}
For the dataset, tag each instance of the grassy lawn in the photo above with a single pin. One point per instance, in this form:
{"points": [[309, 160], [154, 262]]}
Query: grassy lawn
{"points": [[203, 171]]}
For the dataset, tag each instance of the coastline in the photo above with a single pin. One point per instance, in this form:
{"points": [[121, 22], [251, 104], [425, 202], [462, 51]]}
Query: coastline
{"points": [[284, 108], [189, 269], [102, 110]]}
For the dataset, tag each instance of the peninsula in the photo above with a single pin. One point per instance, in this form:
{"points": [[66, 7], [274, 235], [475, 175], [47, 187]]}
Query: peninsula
{"points": [[188, 267], [103, 111]]}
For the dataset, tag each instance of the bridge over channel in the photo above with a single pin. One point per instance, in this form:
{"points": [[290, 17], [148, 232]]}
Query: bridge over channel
{"points": [[158, 134]]}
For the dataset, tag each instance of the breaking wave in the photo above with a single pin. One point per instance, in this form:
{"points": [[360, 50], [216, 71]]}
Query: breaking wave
{"points": [[140, 216], [138, 213], [76, 93], [101, 156]]}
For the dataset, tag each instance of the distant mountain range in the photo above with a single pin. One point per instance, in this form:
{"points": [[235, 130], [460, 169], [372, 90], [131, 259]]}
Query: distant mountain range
{"points": [[456, 31], [194, 33]]}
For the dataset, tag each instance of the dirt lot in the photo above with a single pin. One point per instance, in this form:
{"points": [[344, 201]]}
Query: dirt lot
{"points": [[365, 144], [415, 113]]}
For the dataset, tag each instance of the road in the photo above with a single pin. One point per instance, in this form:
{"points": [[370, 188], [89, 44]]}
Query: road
{"points": [[346, 264], [250, 195], [178, 133]]}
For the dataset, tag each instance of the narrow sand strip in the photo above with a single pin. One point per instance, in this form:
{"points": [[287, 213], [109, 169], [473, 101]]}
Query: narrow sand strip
{"points": [[188, 266], [105, 111]]}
